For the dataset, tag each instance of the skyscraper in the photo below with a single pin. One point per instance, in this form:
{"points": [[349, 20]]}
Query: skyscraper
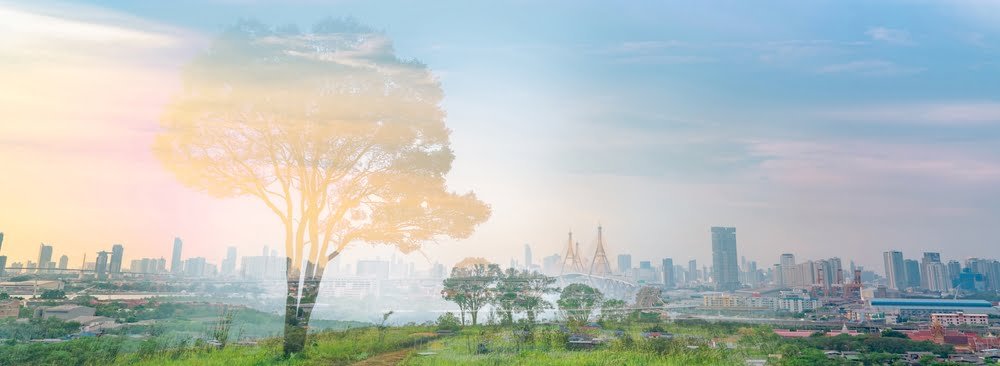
{"points": [[229, 264], [3, 265], [895, 269], [44, 256], [175, 262], [63, 262], [912, 273], [725, 270], [624, 263], [692, 271], [668, 273], [101, 265], [527, 256], [1, 240], [117, 251]]}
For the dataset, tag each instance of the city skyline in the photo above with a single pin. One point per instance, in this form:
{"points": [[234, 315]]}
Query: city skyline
{"points": [[799, 159]]}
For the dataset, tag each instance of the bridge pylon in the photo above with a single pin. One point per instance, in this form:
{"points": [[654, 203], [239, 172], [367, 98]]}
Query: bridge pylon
{"points": [[600, 265], [572, 257]]}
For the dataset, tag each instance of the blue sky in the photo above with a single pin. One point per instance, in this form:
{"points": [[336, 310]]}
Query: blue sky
{"points": [[823, 128]]}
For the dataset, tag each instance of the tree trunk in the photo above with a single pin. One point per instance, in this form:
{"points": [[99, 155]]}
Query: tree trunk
{"points": [[298, 310], [474, 314]]}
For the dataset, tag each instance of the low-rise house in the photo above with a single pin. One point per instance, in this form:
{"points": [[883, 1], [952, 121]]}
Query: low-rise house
{"points": [[65, 312], [10, 308]]}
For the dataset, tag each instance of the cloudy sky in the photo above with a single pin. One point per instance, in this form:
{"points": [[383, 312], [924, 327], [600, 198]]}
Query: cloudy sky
{"points": [[821, 128]]}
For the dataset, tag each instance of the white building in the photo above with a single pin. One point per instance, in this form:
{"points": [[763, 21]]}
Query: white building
{"points": [[960, 318]]}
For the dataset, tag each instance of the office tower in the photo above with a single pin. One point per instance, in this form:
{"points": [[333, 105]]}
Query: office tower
{"points": [[725, 271], [787, 259], [175, 262], [229, 264], [550, 264], [668, 273], [895, 270], [624, 263], [117, 251], [1, 240], [3, 265], [63, 262], [101, 265], [912, 273], [692, 271], [752, 277], [44, 256], [527, 256], [931, 257]]}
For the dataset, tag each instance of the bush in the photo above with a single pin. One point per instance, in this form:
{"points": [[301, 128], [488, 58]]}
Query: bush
{"points": [[449, 321]]}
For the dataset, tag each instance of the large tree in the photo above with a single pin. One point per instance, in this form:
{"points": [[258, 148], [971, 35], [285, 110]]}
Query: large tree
{"points": [[344, 142], [578, 301], [471, 288]]}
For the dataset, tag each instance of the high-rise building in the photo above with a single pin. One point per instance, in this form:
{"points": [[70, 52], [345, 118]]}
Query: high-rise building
{"points": [[725, 270], [175, 261], [692, 271], [117, 252], [101, 265], [668, 273], [895, 269], [912, 273], [63, 262], [195, 267], [624, 263], [1, 240], [527, 256], [229, 263], [3, 265], [44, 256], [954, 269], [928, 259], [935, 277]]}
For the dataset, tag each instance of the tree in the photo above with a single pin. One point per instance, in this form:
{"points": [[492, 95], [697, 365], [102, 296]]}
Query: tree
{"points": [[52, 295], [448, 321], [471, 288], [578, 301], [614, 311], [532, 301], [344, 142], [509, 288]]}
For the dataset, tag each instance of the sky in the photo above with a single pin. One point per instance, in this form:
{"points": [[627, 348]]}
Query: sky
{"points": [[821, 128]]}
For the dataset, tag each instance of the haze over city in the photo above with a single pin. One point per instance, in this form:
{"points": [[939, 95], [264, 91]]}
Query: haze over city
{"points": [[823, 133]]}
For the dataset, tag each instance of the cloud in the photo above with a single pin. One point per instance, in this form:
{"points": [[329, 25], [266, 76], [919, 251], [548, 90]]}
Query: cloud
{"points": [[870, 68], [932, 113], [66, 23], [889, 35]]}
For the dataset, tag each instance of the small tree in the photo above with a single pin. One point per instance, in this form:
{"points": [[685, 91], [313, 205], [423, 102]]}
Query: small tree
{"points": [[578, 301], [382, 327], [614, 311], [471, 288], [448, 321]]}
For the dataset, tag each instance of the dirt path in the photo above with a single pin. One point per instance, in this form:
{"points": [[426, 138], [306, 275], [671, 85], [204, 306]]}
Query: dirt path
{"points": [[386, 359]]}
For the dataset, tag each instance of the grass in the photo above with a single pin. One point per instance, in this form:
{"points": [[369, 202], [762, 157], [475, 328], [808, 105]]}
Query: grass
{"points": [[324, 348]]}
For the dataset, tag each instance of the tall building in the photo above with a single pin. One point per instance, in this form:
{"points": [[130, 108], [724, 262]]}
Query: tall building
{"points": [[175, 261], [63, 262], [101, 265], [196, 267], [117, 252], [668, 273], [895, 269], [935, 277], [1, 240], [912, 273], [229, 264], [954, 269], [44, 256], [624, 263], [725, 270], [527, 256], [3, 265], [692, 271]]}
